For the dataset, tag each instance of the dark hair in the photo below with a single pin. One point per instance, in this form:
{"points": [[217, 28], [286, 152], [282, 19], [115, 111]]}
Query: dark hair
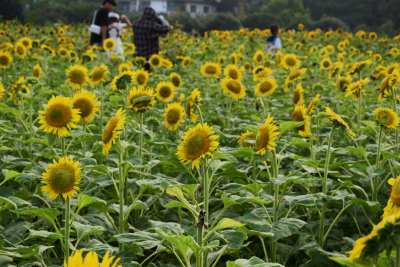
{"points": [[112, 2], [112, 20], [274, 29]]}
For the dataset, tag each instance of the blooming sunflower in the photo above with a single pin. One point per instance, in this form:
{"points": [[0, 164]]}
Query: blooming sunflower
{"points": [[166, 63], [123, 67], [186, 62], [48, 50], [247, 136], [176, 80], [174, 114], [112, 130], [155, 61], [389, 80], [198, 143], [355, 88], [165, 91], [62, 52], [377, 57], [300, 114], [141, 77], [210, 69], [233, 58], [311, 35], [360, 244], [372, 36], [58, 116], [260, 73], [61, 177], [391, 68], [357, 67], [258, 57], [77, 76], [311, 107], [180, 98], [266, 87], [298, 94], [20, 50], [233, 72], [294, 76], [91, 260], [395, 51], [98, 74], [17, 87], [121, 82], [87, 103], [387, 117], [144, 105], [338, 121], [290, 62], [27, 42], [193, 99], [247, 66], [266, 136], [2, 91], [393, 205], [109, 44], [233, 88], [37, 71], [326, 63], [5, 59]]}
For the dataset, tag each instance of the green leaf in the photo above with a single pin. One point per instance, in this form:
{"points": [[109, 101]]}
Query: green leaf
{"points": [[253, 262], [48, 214], [260, 158], [85, 201], [225, 156], [352, 263], [36, 141], [159, 142], [286, 227], [359, 151], [42, 234], [144, 239], [189, 189], [299, 142], [288, 125], [140, 99], [227, 202], [116, 98], [10, 174], [227, 223], [252, 188], [234, 239], [244, 152], [249, 232], [6, 203], [85, 230]]}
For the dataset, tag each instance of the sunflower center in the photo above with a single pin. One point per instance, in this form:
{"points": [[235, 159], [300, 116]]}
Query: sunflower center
{"points": [[298, 116], [109, 130], [141, 79], [211, 69], [155, 61], [58, 115], [77, 76], [165, 91], [97, 75], [391, 69], [385, 118], [25, 43], [234, 86], [290, 61], [63, 52], [265, 86], [186, 62], [20, 50], [173, 116], [4, 60], [85, 106], [196, 145], [296, 96], [63, 179], [140, 104], [35, 73], [175, 81], [326, 64], [233, 74], [109, 45], [262, 137]]}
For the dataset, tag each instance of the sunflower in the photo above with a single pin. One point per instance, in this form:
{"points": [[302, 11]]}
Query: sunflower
{"points": [[180, 98], [166, 63], [27, 42], [87, 103], [260, 73], [341, 46], [20, 50], [193, 99], [5, 59], [395, 51], [311, 107], [391, 68], [300, 26], [91, 260], [165, 91], [17, 87], [143, 105], [377, 57], [335, 69], [77, 76], [58, 116], [98, 74], [109, 44], [266, 136], [141, 77], [357, 67], [294, 76], [355, 88], [360, 244], [48, 50], [393, 205], [311, 35], [62, 52], [233, 88], [73, 55], [247, 136], [247, 66], [326, 63], [300, 114], [198, 143], [174, 114], [61, 177], [343, 83], [123, 67], [155, 61], [389, 80], [112, 130], [210, 69], [387, 117], [233, 72], [233, 58], [258, 57], [121, 82], [290, 62], [176, 80], [2, 91], [186, 62], [372, 36], [279, 57], [338, 121], [37, 71], [298, 94], [266, 87]]}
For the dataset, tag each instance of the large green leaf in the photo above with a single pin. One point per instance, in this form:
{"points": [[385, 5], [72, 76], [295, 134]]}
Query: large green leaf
{"points": [[49, 214]]}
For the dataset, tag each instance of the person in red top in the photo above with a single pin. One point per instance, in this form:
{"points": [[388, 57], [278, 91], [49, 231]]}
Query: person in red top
{"points": [[101, 19]]}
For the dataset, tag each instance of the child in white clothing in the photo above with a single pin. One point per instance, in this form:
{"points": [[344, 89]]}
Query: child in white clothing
{"points": [[115, 29]]}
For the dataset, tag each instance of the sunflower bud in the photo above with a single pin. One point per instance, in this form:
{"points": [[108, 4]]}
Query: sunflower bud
{"points": [[202, 217]]}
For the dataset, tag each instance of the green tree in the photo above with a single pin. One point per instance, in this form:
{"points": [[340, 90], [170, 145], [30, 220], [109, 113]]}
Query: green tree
{"points": [[11, 9]]}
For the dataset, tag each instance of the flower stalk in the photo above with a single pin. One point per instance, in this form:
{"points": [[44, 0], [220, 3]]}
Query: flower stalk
{"points": [[375, 189], [67, 225]]}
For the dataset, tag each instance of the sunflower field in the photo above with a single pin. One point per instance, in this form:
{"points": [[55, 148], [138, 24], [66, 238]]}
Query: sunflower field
{"points": [[223, 154]]}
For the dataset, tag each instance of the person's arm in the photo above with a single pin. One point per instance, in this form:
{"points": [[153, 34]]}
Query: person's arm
{"points": [[103, 23], [128, 22], [161, 29], [103, 33]]}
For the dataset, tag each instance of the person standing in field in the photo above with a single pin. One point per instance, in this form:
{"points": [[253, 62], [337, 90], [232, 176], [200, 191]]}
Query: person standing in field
{"points": [[146, 31], [115, 30], [273, 40], [100, 19]]}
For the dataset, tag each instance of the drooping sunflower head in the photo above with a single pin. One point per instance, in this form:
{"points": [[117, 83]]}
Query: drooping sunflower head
{"points": [[233, 88], [343, 83], [176, 80], [326, 63], [142, 105], [258, 57], [266, 87], [2, 91], [299, 115], [294, 76], [87, 103], [59, 116], [165, 91], [354, 88], [109, 44], [112, 130], [198, 143], [155, 61], [290, 62], [298, 94], [386, 117], [77, 76], [391, 68], [210, 69], [91, 260], [246, 137], [266, 136], [260, 73], [5, 59], [122, 81], [233, 72], [193, 99], [359, 246], [359, 66], [335, 69], [18, 87], [393, 206], [37, 71], [311, 107], [20, 50], [166, 63], [338, 121], [174, 114], [98, 74]]}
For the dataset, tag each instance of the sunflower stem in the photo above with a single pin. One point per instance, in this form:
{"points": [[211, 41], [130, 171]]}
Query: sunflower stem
{"points": [[126, 124], [359, 107], [84, 142], [375, 189], [63, 146], [66, 237], [201, 115], [121, 198], [200, 232], [276, 203], [141, 134], [30, 123], [311, 147], [398, 257], [228, 123], [397, 128], [327, 159]]}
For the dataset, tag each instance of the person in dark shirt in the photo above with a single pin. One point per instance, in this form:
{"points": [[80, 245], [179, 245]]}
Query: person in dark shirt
{"points": [[101, 20], [146, 31]]}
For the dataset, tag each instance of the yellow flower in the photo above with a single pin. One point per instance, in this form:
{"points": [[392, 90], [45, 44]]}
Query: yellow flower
{"points": [[233, 72], [198, 143], [300, 114], [61, 177], [210, 69], [266, 87], [335, 69], [59, 116], [233, 58], [5, 59], [258, 57], [391, 68], [176, 80], [377, 57], [343, 83], [186, 62], [326, 63], [247, 136], [294, 76], [389, 80], [27, 42], [87, 103], [290, 62], [141, 77], [338, 121], [356, 68], [91, 260], [155, 61], [20, 50], [62, 52], [247, 66], [298, 94], [360, 244], [395, 51], [193, 99], [266, 136], [311, 35], [174, 114], [2, 91], [180, 99], [17, 87], [98, 74], [109, 44], [387, 117], [112, 130], [122, 81], [166, 63], [372, 36], [260, 73], [356, 87], [124, 67], [77, 76], [165, 91], [37, 71], [143, 105], [393, 205], [311, 107], [300, 26], [233, 88], [47, 50], [130, 49]]}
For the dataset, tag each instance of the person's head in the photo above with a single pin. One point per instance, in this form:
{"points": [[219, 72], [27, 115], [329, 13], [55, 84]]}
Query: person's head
{"points": [[109, 4], [113, 17], [274, 29]]}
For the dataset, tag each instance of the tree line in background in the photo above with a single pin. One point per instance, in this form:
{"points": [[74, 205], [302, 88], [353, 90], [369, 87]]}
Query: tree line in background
{"points": [[352, 15]]}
